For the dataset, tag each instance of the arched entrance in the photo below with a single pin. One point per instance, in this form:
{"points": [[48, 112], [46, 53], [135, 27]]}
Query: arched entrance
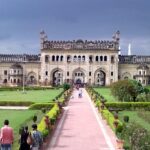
{"points": [[78, 76], [57, 77], [31, 78], [100, 78]]}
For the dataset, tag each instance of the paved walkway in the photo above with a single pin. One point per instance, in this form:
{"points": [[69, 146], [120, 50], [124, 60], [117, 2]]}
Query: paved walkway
{"points": [[81, 128]]}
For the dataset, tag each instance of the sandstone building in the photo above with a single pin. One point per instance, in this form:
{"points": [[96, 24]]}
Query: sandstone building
{"points": [[77, 61]]}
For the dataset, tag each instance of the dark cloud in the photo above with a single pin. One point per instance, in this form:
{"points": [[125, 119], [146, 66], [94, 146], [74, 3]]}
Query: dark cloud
{"points": [[22, 20]]}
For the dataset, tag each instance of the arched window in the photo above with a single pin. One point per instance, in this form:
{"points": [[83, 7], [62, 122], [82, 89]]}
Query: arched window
{"points": [[75, 58], [96, 58], [46, 58], [53, 58], [101, 58], [112, 59], [83, 58], [18, 81], [61, 58], [79, 58], [105, 58], [57, 58]]}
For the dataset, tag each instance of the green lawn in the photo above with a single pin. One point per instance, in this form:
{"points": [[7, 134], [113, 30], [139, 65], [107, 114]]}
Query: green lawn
{"points": [[32, 95], [106, 93], [18, 118], [133, 117], [148, 87]]}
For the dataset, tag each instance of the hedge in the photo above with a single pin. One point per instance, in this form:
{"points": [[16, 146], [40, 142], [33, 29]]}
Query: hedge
{"points": [[7, 88], [53, 113], [15, 103], [127, 105], [41, 105], [106, 114]]}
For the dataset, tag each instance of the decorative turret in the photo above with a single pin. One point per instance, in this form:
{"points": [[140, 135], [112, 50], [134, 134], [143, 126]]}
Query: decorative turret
{"points": [[43, 38], [116, 36]]}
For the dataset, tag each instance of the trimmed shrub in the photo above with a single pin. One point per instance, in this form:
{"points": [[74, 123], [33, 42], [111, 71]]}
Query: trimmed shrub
{"points": [[127, 105], [15, 103], [126, 118], [51, 114], [47, 106]]}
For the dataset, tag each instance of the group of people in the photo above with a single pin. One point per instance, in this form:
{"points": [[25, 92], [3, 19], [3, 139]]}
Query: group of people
{"points": [[28, 140]]}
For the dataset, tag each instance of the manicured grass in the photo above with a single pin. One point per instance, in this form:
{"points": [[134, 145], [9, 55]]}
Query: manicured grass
{"points": [[148, 87], [18, 118], [133, 117], [106, 93], [32, 95]]}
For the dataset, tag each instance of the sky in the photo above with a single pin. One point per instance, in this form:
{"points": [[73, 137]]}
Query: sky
{"points": [[22, 20]]}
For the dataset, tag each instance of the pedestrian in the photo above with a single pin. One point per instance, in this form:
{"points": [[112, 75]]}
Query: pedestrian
{"points": [[6, 136], [47, 122], [23, 139], [37, 138]]}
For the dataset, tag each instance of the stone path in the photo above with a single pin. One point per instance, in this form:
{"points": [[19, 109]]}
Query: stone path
{"points": [[81, 128]]}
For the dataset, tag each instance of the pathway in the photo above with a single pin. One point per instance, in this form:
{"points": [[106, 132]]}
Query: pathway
{"points": [[81, 128]]}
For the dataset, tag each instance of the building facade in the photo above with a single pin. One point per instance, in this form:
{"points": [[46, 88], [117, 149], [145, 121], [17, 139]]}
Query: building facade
{"points": [[77, 61]]}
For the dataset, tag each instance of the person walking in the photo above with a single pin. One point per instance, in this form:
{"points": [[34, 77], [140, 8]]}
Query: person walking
{"points": [[37, 138], [23, 139], [6, 136], [47, 122]]}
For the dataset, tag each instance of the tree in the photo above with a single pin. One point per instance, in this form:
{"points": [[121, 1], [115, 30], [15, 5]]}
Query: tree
{"points": [[126, 90], [66, 86]]}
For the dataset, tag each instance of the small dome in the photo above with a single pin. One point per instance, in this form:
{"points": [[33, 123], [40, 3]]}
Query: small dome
{"points": [[79, 41]]}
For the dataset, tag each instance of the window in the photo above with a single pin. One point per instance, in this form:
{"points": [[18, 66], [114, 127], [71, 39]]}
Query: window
{"points": [[139, 72], [90, 59], [96, 58], [53, 58], [90, 73], [67, 73], [101, 58], [46, 73], [112, 59], [57, 58], [143, 72], [105, 58], [46, 58], [61, 58], [112, 73], [5, 72]]}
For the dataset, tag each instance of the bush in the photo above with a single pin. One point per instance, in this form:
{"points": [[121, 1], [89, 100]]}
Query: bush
{"points": [[38, 106], [127, 105], [66, 86], [34, 118], [15, 103], [51, 114], [126, 118]]}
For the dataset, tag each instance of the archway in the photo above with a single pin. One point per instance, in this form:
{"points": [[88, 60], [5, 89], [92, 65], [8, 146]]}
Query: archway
{"points": [[57, 77], [78, 76], [100, 77], [31, 78], [126, 75]]}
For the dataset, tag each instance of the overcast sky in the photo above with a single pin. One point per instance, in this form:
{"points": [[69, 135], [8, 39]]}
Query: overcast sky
{"points": [[22, 20]]}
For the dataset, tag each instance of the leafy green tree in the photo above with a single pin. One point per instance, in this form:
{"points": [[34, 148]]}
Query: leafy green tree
{"points": [[66, 86], [126, 90]]}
